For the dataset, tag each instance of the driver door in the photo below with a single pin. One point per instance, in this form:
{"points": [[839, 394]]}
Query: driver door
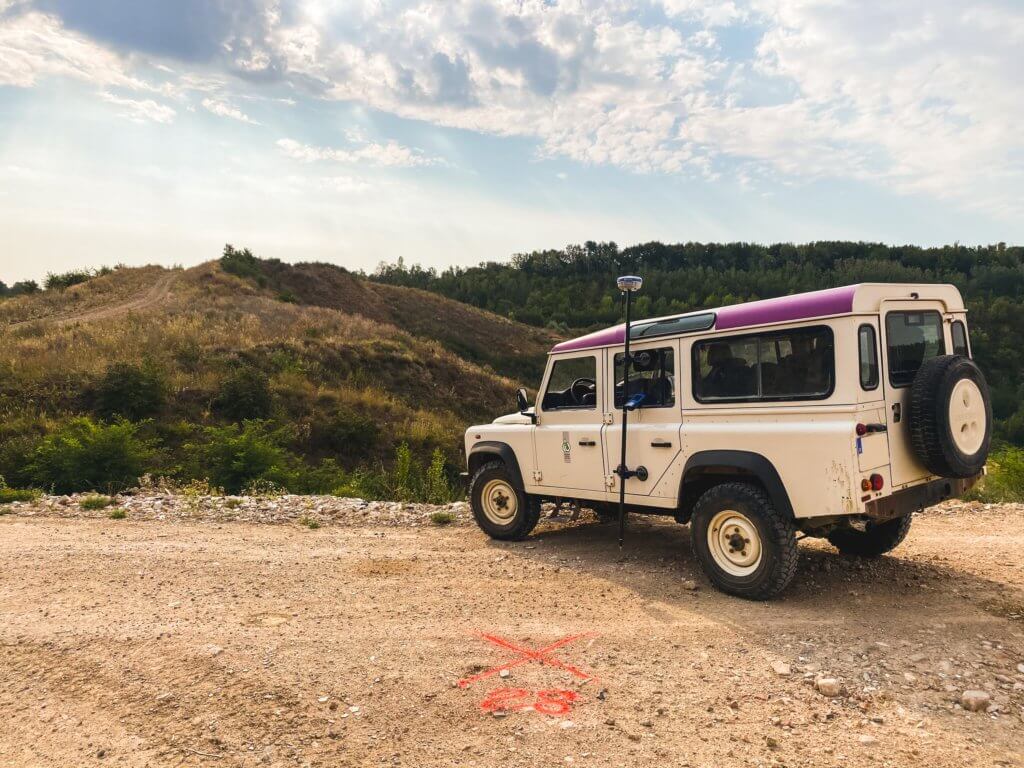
{"points": [[567, 438]]}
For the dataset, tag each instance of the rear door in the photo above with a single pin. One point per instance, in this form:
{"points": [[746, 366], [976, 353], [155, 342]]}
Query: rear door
{"points": [[912, 332]]}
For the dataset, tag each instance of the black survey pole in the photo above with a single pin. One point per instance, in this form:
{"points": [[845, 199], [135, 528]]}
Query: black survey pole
{"points": [[627, 285]]}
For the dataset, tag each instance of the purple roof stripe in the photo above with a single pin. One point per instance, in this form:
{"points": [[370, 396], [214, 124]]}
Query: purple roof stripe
{"points": [[603, 338], [833, 301]]}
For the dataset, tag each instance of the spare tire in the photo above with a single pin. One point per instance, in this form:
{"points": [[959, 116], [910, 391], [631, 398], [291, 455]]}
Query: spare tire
{"points": [[950, 417]]}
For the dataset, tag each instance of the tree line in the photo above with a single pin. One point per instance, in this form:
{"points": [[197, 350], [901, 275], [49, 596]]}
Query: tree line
{"points": [[573, 289]]}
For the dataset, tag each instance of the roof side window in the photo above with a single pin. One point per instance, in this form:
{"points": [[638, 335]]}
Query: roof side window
{"points": [[910, 339], [652, 375], [572, 384], [959, 334], [796, 364], [867, 344]]}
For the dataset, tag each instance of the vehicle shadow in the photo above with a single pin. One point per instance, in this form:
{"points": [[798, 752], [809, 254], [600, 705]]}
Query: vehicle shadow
{"points": [[657, 564]]}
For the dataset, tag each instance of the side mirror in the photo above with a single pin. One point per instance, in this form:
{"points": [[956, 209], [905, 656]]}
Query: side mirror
{"points": [[521, 400], [523, 404]]}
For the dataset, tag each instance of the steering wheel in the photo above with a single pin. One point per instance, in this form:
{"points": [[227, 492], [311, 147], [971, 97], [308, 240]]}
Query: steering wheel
{"points": [[582, 387]]}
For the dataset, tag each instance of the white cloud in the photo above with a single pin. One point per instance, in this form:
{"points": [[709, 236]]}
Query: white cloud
{"points": [[224, 109], [389, 154], [140, 111], [35, 45], [912, 95]]}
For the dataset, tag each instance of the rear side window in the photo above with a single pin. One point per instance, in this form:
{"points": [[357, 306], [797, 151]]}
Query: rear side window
{"points": [[573, 384], [868, 346], [959, 333], [652, 374], [911, 338], [797, 364]]}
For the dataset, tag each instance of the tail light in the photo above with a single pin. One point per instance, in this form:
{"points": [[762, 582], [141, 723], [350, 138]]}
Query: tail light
{"points": [[862, 429], [877, 482]]}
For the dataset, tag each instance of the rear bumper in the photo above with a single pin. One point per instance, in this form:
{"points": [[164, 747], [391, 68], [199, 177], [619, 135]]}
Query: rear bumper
{"points": [[919, 497]]}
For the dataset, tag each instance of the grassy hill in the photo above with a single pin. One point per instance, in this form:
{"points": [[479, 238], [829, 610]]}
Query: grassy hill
{"points": [[247, 370]]}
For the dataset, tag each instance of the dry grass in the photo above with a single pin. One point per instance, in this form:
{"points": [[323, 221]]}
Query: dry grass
{"points": [[319, 358]]}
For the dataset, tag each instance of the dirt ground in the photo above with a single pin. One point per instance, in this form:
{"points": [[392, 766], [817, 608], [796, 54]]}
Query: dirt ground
{"points": [[177, 643]]}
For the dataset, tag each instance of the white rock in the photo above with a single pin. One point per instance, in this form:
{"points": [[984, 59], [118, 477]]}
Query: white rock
{"points": [[781, 668], [828, 686], [974, 701], [867, 740]]}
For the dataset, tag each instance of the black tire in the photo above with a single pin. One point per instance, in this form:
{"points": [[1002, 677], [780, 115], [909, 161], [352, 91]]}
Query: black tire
{"points": [[777, 539], [933, 437], [526, 512], [876, 538]]}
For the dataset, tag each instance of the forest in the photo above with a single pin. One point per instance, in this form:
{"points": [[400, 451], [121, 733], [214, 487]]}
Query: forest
{"points": [[573, 289]]}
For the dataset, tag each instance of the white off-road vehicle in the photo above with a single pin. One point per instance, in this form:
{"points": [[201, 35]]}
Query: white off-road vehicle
{"points": [[835, 414]]}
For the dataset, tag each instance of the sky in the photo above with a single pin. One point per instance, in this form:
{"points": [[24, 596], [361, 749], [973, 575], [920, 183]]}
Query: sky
{"points": [[450, 133]]}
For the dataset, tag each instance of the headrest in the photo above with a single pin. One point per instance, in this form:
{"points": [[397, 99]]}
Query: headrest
{"points": [[719, 354]]}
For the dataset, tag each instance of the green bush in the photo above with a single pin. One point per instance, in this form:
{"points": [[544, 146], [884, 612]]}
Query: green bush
{"points": [[7, 495], [244, 394], [437, 487], [234, 456], [442, 518], [117, 514], [347, 433], [407, 480], [66, 279], [1005, 479], [131, 391], [95, 502], [241, 263], [83, 455]]}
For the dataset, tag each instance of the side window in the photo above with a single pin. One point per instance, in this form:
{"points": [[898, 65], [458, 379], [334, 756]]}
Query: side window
{"points": [[573, 384], [726, 369], [910, 339], [868, 346], [652, 374], [797, 364], [959, 333]]}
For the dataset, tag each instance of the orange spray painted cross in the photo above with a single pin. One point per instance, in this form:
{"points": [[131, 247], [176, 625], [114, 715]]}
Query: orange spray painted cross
{"points": [[526, 655]]}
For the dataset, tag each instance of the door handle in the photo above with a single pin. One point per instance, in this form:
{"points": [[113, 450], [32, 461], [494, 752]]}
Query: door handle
{"points": [[660, 444], [587, 442]]}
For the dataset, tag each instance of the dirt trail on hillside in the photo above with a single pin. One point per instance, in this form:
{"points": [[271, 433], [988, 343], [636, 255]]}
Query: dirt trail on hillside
{"points": [[153, 296], [191, 643]]}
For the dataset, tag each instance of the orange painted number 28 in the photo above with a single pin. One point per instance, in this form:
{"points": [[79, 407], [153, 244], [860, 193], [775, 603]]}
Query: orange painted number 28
{"points": [[548, 702]]}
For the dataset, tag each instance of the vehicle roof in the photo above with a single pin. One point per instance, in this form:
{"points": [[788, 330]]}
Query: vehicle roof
{"points": [[848, 299]]}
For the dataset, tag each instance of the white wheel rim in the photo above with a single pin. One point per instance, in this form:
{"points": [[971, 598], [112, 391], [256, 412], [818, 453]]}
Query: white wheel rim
{"points": [[734, 543], [499, 502], [967, 417]]}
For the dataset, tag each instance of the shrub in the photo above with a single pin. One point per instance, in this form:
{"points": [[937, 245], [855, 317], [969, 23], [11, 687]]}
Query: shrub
{"points": [[437, 487], [66, 279], [287, 297], [241, 263], [234, 456], [1005, 479], [442, 518], [346, 433], [117, 514], [95, 502], [244, 394], [8, 495], [132, 391], [83, 455], [309, 522], [233, 503]]}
